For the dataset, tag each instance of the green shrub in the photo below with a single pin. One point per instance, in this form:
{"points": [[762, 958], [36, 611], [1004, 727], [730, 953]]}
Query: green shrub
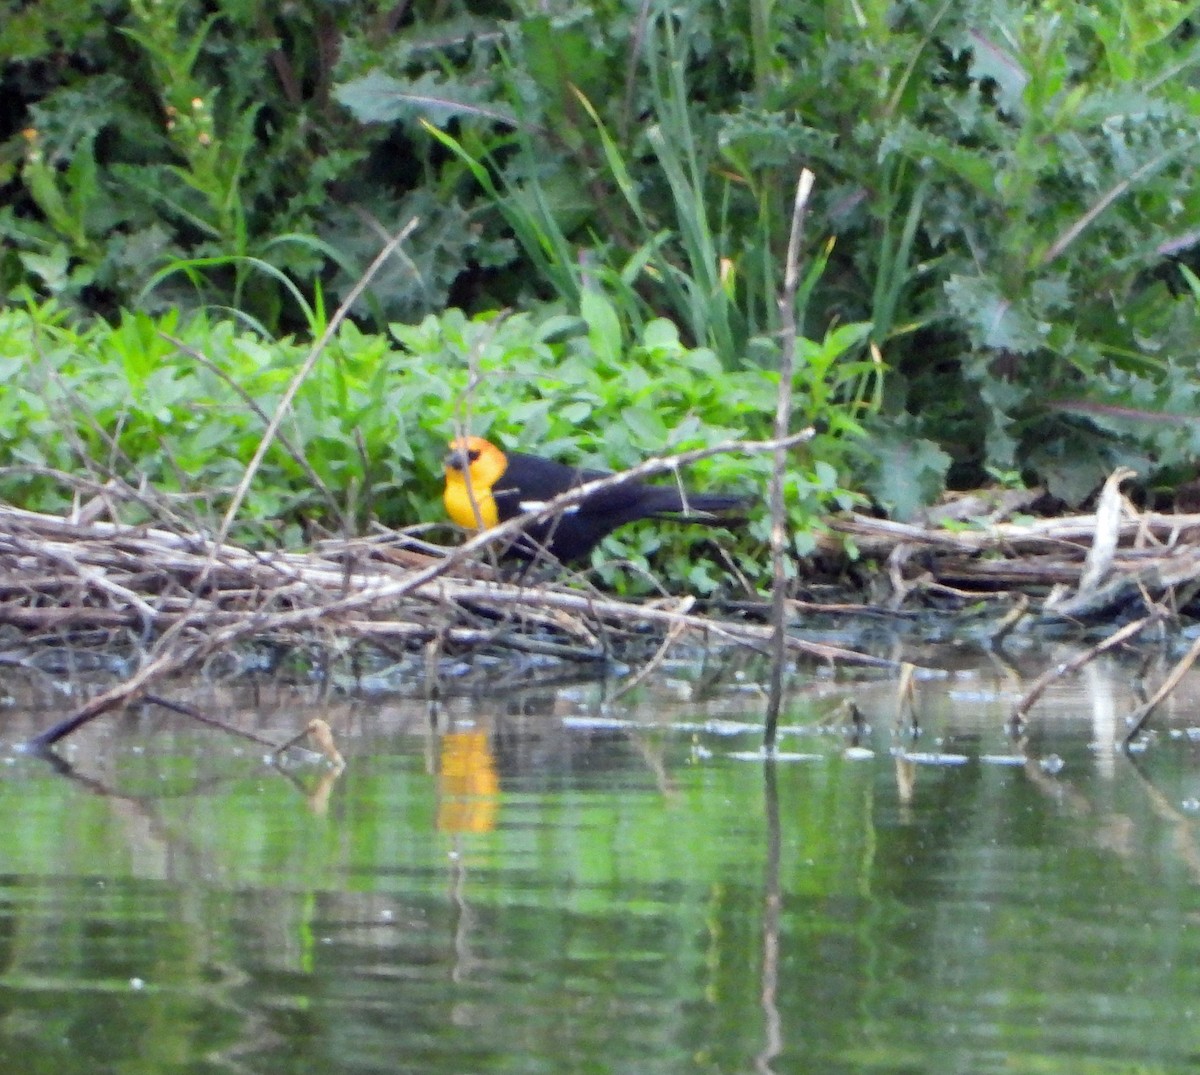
{"points": [[161, 153], [175, 408], [1011, 189]]}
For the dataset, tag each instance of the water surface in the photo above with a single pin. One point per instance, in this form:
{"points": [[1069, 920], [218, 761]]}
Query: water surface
{"points": [[550, 883]]}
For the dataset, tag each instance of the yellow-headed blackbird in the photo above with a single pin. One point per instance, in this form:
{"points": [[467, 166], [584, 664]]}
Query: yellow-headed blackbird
{"points": [[507, 484]]}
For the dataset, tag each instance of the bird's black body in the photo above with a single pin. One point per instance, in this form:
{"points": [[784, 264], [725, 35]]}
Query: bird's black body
{"points": [[529, 481]]}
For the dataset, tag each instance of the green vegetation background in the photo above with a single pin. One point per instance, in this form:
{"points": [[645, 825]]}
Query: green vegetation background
{"points": [[999, 251]]}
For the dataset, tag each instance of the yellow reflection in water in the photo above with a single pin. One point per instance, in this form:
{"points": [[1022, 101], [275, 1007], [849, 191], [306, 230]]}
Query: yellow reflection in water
{"points": [[468, 785]]}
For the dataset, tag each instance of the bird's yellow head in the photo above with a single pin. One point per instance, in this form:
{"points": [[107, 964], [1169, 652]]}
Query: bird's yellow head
{"points": [[473, 466]]}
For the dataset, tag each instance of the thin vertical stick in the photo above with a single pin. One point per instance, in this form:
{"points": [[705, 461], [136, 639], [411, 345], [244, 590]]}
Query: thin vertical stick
{"points": [[783, 421]]}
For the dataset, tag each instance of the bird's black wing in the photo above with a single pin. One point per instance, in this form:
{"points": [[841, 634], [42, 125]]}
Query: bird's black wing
{"points": [[531, 481]]}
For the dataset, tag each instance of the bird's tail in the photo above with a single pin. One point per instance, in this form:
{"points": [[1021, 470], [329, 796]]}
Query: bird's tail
{"points": [[672, 503]]}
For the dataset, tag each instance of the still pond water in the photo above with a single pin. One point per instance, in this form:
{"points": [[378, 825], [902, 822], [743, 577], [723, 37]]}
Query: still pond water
{"points": [[548, 884]]}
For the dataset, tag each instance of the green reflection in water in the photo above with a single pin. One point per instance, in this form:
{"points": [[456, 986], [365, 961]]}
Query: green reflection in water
{"points": [[597, 901]]}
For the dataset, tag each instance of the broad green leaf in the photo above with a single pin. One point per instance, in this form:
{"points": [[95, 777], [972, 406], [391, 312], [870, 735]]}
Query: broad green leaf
{"points": [[382, 98], [911, 474], [646, 425], [604, 327]]}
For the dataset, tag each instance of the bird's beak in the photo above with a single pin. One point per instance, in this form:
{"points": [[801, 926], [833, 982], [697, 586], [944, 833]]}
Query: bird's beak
{"points": [[456, 460]]}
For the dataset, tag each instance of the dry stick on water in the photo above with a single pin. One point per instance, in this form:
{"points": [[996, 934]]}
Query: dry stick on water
{"points": [[1021, 709], [676, 629], [783, 420], [1141, 715], [195, 714], [1005, 625], [906, 701], [122, 693], [1097, 567], [318, 732]]}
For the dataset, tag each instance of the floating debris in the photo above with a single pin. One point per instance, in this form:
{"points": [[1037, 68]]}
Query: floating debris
{"points": [[587, 723], [930, 758]]}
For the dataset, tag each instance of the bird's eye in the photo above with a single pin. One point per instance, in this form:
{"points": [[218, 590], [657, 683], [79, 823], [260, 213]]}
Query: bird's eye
{"points": [[473, 455]]}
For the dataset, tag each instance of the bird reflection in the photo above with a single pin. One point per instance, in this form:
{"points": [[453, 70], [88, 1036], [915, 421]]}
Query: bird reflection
{"points": [[468, 785]]}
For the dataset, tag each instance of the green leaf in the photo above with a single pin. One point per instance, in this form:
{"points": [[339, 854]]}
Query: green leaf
{"points": [[927, 146], [381, 98], [660, 335], [993, 320], [647, 427], [911, 473], [561, 327], [604, 327]]}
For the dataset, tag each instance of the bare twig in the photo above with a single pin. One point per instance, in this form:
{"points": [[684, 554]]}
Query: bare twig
{"points": [[318, 732], [201, 717], [1140, 716], [673, 633], [1111, 195], [297, 455], [1071, 532], [113, 698], [1005, 625], [1100, 555]]}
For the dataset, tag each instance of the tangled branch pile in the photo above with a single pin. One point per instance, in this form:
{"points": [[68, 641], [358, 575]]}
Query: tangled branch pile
{"points": [[182, 597], [189, 597], [1081, 567], [176, 599]]}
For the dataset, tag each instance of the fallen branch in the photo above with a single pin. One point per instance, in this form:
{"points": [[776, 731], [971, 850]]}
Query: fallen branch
{"points": [[1140, 716], [1151, 554], [1021, 709], [876, 536]]}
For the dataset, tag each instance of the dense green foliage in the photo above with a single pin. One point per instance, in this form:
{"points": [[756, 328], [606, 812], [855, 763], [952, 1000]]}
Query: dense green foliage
{"points": [[1010, 188], [171, 410]]}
